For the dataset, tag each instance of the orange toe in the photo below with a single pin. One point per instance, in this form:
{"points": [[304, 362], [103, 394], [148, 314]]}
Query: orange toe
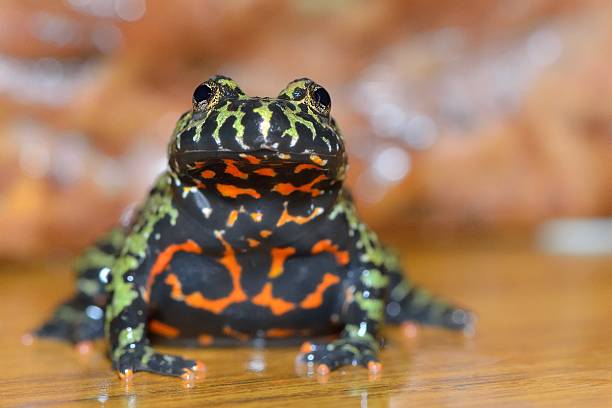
{"points": [[84, 347], [126, 375], [187, 375], [199, 366], [410, 330], [374, 367], [323, 369]]}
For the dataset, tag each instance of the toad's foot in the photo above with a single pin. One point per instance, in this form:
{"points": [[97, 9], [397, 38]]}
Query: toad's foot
{"points": [[346, 351], [146, 359]]}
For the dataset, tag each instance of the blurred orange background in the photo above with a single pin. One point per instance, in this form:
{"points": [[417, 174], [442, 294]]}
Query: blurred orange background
{"points": [[459, 116]]}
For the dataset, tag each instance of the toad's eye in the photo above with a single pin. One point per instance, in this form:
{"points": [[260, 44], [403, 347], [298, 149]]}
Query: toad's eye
{"points": [[203, 94], [321, 99]]}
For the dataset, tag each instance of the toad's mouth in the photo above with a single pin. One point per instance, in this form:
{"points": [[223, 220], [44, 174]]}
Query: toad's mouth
{"points": [[328, 162], [265, 167]]}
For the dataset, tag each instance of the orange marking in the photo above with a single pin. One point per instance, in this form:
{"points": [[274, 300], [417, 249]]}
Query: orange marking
{"points": [[84, 346], [207, 174], [253, 242], [231, 219], [325, 245], [280, 333], [216, 306], [299, 219], [205, 339], [164, 258], [266, 171], [301, 167], [188, 375], [230, 168], [227, 190], [306, 347], [199, 164], [257, 216], [375, 367], [265, 298], [288, 188], [323, 369], [315, 299], [316, 159], [250, 159], [234, 333], [279, 255], [127, 375], [162, 329], [199, 366], [265, 233], [176, 286]]}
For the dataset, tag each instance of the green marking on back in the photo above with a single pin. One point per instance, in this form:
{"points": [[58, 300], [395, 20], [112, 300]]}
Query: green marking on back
{"points": [[157, 207], [94, 258], [374, 278], [368, 243]]}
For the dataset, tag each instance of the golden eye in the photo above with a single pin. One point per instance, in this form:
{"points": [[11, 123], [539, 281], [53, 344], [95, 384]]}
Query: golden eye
{"points": [[204, 95], [320, 99]]}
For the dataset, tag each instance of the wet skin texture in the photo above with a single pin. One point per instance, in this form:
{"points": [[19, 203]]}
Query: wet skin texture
{"points": [[248, 235]]}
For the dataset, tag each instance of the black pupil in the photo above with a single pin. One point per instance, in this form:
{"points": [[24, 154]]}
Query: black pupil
{"points": [[202, 93], [322, 97]]}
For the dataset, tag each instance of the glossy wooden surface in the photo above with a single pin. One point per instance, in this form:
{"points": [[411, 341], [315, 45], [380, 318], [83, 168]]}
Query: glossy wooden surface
{"points": [[544, 339]]}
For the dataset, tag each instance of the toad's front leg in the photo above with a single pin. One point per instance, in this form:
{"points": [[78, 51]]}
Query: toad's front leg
{"points": [[363, 313], [126, 326]]}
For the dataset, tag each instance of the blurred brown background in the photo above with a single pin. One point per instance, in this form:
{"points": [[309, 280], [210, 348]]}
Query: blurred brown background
{"points": [[459, 116]]}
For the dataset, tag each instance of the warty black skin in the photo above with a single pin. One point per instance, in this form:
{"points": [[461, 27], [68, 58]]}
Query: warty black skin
{"points": [[248, 235]]}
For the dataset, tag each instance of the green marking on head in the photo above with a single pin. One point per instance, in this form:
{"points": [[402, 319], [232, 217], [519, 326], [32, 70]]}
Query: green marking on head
{"points": [[223, 115], [290, 89], [292, 131], [266, 116], [229, 83]]}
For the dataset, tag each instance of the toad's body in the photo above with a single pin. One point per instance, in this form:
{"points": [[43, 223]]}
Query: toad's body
{"points": [[248, 235]]}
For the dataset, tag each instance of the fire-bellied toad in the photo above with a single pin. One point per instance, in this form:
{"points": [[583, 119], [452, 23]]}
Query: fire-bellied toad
{"points": [[249, 234]]}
